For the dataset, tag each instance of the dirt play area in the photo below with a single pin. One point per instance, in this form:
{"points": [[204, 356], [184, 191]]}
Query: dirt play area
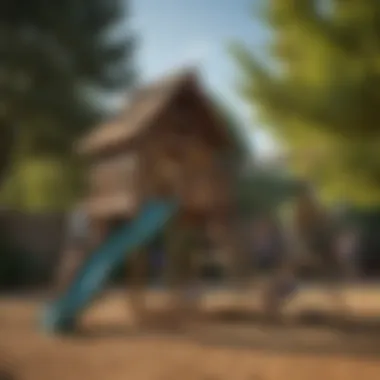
{"points": [[109, 348]]}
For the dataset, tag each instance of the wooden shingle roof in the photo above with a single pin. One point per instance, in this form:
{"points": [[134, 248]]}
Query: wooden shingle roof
{"points": [[146, 103]]}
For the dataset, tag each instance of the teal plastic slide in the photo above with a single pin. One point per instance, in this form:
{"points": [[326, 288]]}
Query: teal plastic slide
{"points": [[91, 278]]}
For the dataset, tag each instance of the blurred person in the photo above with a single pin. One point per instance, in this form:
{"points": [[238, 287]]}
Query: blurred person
{"points": [[282, 284], [309, 238], [314, 232]]}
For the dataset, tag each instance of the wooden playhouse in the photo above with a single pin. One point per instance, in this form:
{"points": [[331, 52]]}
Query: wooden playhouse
{"points": [[169, 141]]}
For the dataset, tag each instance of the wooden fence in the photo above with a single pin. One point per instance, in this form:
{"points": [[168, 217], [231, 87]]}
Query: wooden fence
{"points": [[32, 243]]}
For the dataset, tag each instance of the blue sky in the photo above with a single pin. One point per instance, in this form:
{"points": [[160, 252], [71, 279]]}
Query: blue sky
{"points": [[177, 33]]}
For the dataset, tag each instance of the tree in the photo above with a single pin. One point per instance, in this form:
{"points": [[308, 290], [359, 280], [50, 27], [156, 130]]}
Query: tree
{"points": [[235, 131], [242, 154], [321, 92], [58, 58]]}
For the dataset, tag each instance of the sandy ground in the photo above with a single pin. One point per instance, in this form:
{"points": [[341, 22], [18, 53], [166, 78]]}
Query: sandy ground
{"points": [[108, 349]]}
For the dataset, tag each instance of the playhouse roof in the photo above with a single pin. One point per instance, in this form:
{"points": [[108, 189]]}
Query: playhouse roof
{"points": [[142, 110]]}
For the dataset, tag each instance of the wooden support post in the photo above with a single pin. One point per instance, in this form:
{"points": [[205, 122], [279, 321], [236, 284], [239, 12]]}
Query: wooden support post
{"points": [[72, 258], [338, 273], [181, 274], [236, 254], [138, 281]]}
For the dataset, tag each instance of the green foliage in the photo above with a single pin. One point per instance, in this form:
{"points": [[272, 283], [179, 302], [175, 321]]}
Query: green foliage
{"points": [[58, 60], [319, 93], [243, 151], [259, 190], [38, 185], [264, 191]]}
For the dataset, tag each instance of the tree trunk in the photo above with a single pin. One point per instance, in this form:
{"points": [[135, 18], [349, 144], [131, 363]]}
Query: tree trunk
{"points": [[7, 138]]}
